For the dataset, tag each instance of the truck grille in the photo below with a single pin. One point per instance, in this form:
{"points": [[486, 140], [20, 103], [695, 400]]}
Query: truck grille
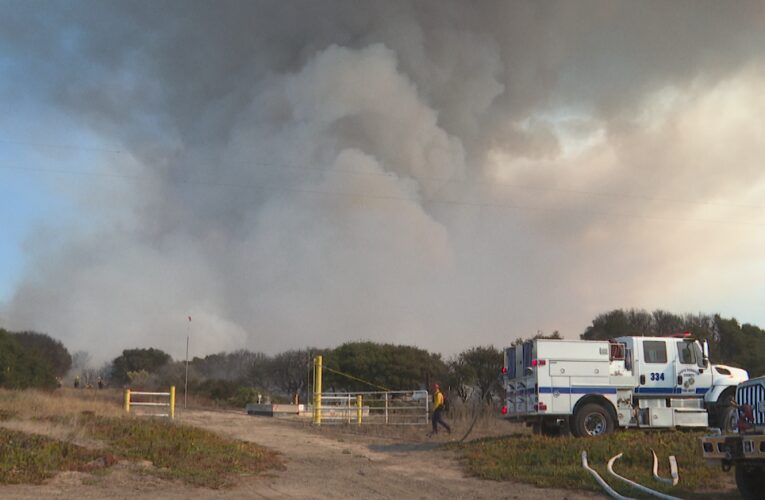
{"points": [[752, 394]]}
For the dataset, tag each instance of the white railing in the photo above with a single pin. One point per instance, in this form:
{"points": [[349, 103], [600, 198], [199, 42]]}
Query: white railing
{"points": [[382, 408], [156, 402]]}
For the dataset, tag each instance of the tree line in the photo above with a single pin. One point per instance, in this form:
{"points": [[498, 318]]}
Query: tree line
{"points": [[731, 343], [30, 359]]}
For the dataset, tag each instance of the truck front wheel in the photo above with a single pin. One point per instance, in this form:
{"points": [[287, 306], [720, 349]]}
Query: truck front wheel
{"points": [[750, 480], [592, 420]]}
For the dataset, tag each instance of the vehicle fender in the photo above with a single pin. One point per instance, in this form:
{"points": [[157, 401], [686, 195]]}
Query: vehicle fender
{"points": [[721, 382], [712, 396]]}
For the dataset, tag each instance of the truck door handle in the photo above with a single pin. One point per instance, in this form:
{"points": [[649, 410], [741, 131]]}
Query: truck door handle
{"points": [[642, 380], [679, 380]]}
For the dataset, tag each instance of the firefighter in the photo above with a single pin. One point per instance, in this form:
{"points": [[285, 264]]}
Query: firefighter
{"points": [[438, 410]]}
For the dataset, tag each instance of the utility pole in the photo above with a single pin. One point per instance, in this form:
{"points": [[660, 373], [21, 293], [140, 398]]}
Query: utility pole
{"points": [[186, 383]]}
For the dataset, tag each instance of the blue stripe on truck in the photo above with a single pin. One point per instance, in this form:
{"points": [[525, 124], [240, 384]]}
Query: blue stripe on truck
{"points": [[657, 390], [578, 390]]}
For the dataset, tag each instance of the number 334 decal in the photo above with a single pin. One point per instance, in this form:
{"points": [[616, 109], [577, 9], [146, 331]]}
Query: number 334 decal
{"points": [[657, 376]]}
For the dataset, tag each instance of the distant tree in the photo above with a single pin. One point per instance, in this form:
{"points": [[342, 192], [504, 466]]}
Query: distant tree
{"points": [[482, 368], [290, 371], [729, 342], [233, 366], [48, 350], [20, 369], [395, 367], [539, 335], [136, 360], [666, 323], [618, 323], [460, 378]]}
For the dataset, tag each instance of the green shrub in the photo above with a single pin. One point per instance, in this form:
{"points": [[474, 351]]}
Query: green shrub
{"points": [[20, 369]]}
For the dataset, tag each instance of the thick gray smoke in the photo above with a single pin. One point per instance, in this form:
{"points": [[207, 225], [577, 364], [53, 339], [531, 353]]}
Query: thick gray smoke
{"points": [[435, 173]]}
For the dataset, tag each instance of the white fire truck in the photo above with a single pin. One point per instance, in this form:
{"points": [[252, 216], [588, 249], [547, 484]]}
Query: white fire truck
{"points": [[590, 387]]}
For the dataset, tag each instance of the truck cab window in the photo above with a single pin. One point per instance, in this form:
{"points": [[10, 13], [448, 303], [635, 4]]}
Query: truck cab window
{"points": [[654, 351], [686, 353]]}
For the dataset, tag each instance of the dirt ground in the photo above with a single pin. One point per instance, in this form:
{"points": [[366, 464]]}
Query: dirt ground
{"points": [[323, 463]]}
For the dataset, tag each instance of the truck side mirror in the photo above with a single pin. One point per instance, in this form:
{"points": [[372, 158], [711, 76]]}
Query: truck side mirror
{"points": [[705, 347]]}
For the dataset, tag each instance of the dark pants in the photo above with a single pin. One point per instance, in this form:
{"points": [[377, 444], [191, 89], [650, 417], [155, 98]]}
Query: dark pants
{"points": [[438, 419]]}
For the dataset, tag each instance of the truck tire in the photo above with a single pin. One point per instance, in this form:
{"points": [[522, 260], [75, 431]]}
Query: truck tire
{"points": [[727, 419], [724, 414], [750, 480], [592, 420]]}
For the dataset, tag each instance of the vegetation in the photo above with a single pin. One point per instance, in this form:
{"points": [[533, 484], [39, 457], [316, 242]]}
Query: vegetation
{"points": [[31, 359], [136, 360], [193, 455], [729, 342], [30, 458], [556, 462], [189, 454], [20, 368], [391, 366], [478, 368], [46, 349]]}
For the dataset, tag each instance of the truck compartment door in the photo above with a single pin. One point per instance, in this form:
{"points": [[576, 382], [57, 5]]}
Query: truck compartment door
{"points": [[561, 395]]}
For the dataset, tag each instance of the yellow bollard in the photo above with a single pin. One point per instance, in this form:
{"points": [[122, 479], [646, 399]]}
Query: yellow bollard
{"points": [[359, 409], [317, 391], [172, 401], [127, 400]]}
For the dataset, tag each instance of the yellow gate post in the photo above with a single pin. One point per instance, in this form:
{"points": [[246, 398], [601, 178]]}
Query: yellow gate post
{"points": [[317, 391], [127, 400], [359, 409], [172, 402]]}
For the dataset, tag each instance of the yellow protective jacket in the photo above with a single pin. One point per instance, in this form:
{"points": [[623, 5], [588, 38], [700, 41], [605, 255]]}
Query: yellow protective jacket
{"points": [[438, 400]]}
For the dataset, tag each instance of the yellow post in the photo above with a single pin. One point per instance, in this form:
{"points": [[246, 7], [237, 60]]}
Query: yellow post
{"points": [[317, 391], [127, 400], [359, 409], [172, 401]]}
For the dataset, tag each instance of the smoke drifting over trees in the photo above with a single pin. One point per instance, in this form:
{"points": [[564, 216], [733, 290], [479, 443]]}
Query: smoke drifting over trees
{"points": [[441, 174]]}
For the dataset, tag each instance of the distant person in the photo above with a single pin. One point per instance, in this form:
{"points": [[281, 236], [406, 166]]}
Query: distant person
{"points": [[100, 383], [438, 410], [77, 382]]}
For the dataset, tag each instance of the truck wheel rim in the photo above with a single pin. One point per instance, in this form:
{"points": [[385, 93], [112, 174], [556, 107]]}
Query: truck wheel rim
{"points": [[595, 424]]}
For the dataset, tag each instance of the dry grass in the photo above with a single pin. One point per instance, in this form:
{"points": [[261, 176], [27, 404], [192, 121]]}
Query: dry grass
{"points": [[44, 433], [64, 402], [487, 424]]}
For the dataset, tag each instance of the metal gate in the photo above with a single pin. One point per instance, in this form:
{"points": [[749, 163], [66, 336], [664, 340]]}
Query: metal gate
{"points": [[381, 408]]}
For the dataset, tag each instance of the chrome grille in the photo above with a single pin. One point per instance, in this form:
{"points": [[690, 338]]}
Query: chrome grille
{"points": [[752, 394]]}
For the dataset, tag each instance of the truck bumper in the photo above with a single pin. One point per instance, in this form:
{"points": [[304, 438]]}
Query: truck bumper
{"points": [[732, 448]]}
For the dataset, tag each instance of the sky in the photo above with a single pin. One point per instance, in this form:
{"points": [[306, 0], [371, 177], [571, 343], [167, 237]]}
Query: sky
{"points": [[442, 174]]}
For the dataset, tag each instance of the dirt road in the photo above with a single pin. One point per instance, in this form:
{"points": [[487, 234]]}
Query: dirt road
{"points": [[351, 466], [317, 466]]}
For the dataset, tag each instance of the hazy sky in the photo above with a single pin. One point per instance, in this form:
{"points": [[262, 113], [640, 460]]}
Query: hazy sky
{"points": [[443, 174]]}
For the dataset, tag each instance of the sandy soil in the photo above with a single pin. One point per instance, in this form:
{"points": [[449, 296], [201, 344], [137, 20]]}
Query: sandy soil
{"points": [[319, 464]]}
